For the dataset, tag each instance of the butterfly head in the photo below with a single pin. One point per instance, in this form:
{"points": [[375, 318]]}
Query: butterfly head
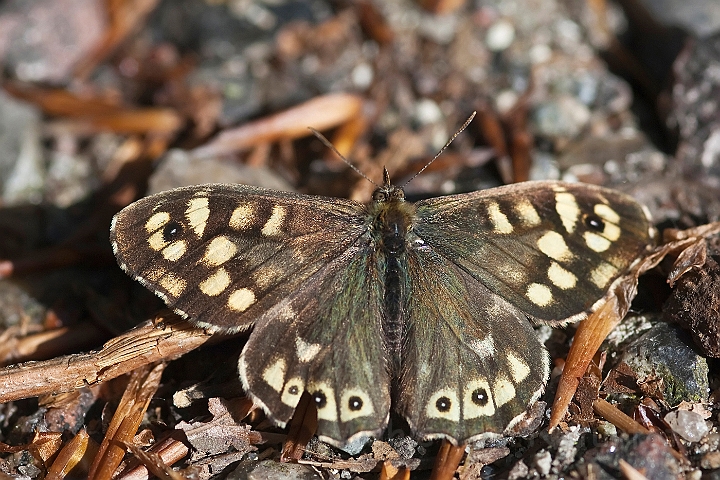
{"points": [[387, 192]]}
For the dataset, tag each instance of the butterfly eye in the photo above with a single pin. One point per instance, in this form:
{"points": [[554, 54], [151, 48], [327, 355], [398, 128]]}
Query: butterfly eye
{"points": [[355, 403], [171, 231], [480, 397], [380, 196], [594, 222], [293, 390], [320, 399], [443, 404]]}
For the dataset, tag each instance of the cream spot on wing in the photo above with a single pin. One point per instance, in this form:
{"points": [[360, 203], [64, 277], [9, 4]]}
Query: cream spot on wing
{"points": [[519, 369], [266, 276], [444, 404], [197, 214], [477, 399], [243, 217], [611, 231], [515, 275], [527, 213], [484, 347], [216, 283], [539, 294], [500, 222], [157, 221], [274, 374], [611, 218], [306, 351], [603, 274], [292, 391], [560, 277], [355, 403], [503, 391], [274, 224], [567, 208], [220, 250], [607, 213], [175, 251], [553, 245], [241, 299], [157, 241], [175, 286], [596, 242], [324, 398], [285, 311]]}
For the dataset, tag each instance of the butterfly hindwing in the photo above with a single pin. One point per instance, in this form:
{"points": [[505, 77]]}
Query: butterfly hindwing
{"points": [[330, 348], [472, 363]]}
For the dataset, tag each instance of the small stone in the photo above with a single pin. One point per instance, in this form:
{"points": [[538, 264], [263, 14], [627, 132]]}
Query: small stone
{"points": [[607, 429], [689, 425], [505, 101], [665, 352], [646, 453], [710, 461], [500, 36], [563, 116], [271, 470], [427, 112], [519, 470], [362, 76], [540, 53], [543, 462], [693, 475]]}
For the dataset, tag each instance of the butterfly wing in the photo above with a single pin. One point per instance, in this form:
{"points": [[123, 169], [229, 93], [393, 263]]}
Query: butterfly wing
{"points": [[223, 255], [337, 353], [296, 267], [472, 362], [485, 263], [552, 249]]}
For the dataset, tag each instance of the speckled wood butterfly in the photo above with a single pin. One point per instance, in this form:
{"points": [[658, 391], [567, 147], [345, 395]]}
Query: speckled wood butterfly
{"points": [[426, 308]]}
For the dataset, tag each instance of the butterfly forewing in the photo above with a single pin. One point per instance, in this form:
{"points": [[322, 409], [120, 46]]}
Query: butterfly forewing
{"points": [[552, 249], [223, 255]]}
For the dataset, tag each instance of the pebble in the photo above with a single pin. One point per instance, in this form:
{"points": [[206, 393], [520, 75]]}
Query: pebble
{"points": [[665, 351], [563, 116], [179, 168], [362, 76], [271, 470], [427, 111], [21, 162], [710, 461], [689, 425], [500, 36], [543, 462]]}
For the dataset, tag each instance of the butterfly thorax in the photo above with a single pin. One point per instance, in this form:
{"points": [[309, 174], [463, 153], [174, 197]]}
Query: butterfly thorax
{"points": [[391, 219]]}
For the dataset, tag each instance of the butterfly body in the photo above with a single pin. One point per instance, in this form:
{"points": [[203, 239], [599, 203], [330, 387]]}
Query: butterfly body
{"points": [[426, 307]]}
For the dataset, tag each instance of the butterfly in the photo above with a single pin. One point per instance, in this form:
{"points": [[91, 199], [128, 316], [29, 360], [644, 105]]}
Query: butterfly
{"points": [[424, 308]]}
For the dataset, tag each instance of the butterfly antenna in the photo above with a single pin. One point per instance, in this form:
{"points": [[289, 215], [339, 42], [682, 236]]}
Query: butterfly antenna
{"points": [[329, 145], [465, 125]]}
